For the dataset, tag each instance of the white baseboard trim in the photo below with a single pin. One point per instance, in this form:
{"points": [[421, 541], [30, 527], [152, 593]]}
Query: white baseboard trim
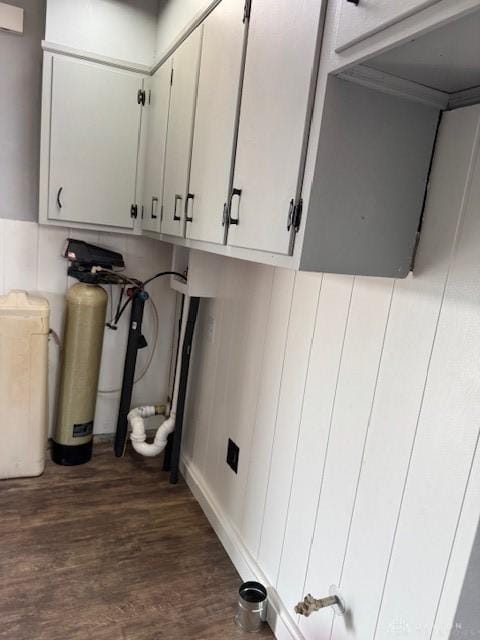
{"points": [[282, 625]]}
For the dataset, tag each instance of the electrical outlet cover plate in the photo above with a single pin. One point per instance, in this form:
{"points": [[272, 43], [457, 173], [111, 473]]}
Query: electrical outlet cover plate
{"points": [[233, 454]]}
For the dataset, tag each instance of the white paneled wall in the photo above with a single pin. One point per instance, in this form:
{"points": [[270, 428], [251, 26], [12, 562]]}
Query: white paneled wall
{"points": [[119, 29], [30, 258], [355, 403], [173, 16]]}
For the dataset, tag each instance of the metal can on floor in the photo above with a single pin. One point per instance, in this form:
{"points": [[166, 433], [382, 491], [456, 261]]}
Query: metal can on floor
{"points": [[252, 606]]}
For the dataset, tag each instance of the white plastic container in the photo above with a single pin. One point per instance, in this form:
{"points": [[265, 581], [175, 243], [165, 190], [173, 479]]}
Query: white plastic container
{"points": [[24, 325]]}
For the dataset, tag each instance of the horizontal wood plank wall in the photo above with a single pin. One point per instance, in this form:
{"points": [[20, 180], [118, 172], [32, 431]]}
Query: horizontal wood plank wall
{"points": [[447, 433], [315, 429], [355, 405], [297, 355], [369, 309], [273, 364], [249, 325], [400, 390]]}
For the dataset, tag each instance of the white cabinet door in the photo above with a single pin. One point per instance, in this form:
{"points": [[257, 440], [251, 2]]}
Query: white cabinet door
{"points": [[276, 96], [359, 20], [215, 118], [156, 113], [94, 129], [181, 117]]}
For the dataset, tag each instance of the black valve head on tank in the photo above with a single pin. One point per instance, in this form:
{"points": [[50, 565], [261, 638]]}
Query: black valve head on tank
{"points": [[83, 257]]}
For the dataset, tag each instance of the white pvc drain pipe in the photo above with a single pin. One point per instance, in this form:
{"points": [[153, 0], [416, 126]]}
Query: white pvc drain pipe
{"points": [[136, 417]]}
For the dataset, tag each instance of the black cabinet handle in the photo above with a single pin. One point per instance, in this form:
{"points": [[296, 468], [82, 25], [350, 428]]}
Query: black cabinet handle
{"points": [[177, 198], [238, 193], [190, 196], [355, 2], [153, 215], [59, 202]]}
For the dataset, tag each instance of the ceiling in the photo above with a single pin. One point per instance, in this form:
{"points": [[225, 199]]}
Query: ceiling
{"points": [[447, 59]]}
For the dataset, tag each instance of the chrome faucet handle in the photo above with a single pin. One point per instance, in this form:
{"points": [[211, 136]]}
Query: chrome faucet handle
{"points": [[310, 604]]}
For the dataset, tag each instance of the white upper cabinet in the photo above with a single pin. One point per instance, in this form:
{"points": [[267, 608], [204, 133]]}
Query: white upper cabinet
{"points": [[92, 143], [275, 104], [274, 111], [213, 140], [361, 18], [185, 62], [156, 116], [265, 135]]}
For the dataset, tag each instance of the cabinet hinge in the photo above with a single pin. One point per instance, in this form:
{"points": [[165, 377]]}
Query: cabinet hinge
{"points": [[247, 10], [415, 249], [294, 215], [141, 96], [134, 211]]}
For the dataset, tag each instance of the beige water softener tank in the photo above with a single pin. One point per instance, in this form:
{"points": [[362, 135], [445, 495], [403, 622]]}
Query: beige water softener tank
{"points": [[24, 325], [81, 356]]}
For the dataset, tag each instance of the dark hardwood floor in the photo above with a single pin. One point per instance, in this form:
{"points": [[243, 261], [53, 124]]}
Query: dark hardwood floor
{"points": [[111, 551]]}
